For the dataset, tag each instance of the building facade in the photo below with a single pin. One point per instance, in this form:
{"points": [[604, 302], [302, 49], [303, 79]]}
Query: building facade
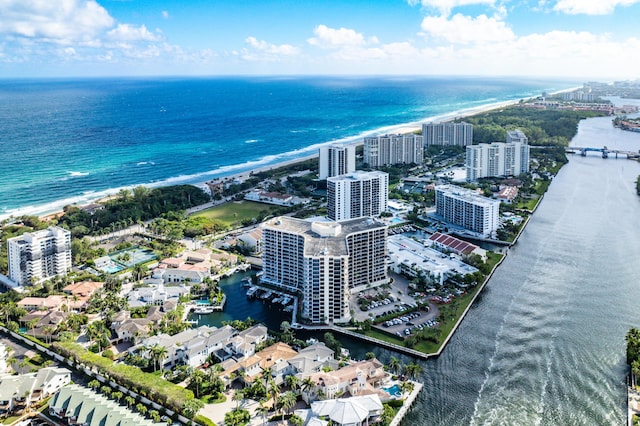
{"points": [[358, 194], [448, 133], [517, 135], [496, 159], [324, 262], [466, 208], [387, 150], [336, 160], [37, 256]]}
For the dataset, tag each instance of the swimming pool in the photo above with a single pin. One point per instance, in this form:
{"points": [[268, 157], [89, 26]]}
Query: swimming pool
{"points": [[393, 390], [396, 220]]}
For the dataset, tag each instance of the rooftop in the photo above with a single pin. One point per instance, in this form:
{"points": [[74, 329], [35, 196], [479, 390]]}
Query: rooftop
{"points": [[333, 239]]}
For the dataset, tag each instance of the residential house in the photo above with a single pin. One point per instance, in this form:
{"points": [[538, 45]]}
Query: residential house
{"points": [[81, 292], [274, 358], [244, 344], [19, 392], [134, 329], [190, 347], [311, 359], [506, 194], [53, 302], [252, 240], [42, 324], [360, 378], [354, 411], [81, 406], [156, 294]]}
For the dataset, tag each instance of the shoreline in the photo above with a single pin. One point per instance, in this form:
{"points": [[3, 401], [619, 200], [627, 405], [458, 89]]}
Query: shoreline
{"points": [[236, 171]]}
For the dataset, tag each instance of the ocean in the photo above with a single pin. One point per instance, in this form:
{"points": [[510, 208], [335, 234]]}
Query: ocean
{"points": [[74, 141]]}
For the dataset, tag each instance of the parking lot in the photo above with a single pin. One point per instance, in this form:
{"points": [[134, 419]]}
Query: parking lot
{"points": [[396, 302]]}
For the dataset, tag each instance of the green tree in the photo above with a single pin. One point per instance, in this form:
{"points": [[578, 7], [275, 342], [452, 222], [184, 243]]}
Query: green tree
{"points": [[191, 407], [195, 381], [237, 417], [394, 365], [288, 401]]}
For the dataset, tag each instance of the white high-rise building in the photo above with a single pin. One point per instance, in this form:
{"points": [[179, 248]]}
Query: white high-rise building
{"points": [[447, 133], [36, 256], [393, 149], [496, 159], [468, 209], [517, 136], [358, 194], [324, 262], [336, 160]]}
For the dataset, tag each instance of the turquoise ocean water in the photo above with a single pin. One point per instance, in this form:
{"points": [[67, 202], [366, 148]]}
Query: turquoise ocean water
{"points": [[73, 141]]}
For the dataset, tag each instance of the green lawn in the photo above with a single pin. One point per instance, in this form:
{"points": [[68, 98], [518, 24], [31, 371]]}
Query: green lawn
{"points": [[233, 213]]}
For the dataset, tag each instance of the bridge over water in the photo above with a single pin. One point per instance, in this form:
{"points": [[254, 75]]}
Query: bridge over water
{"points": [[606, 152]]}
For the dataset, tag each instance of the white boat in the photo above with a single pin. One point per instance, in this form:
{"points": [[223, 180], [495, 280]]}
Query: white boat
{"points": [[204, 309], [252, 291]]}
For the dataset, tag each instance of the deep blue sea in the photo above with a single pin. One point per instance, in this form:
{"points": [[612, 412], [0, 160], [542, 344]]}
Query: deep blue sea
{"points": [[73, 141]]}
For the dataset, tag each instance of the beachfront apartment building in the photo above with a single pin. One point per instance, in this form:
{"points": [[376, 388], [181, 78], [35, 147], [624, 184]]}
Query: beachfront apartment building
{"points": [[388, 150], [324, 262], [37, 256], [468, 209], [336, 160], [447, 133], [496, 159], [357, 194]]}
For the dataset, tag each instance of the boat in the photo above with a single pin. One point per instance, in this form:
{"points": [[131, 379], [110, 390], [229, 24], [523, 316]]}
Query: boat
{"points": [[252, 291], [246, 282], [288, 308], [285, 300], [276, 300], [267, 295], [203, 309]]}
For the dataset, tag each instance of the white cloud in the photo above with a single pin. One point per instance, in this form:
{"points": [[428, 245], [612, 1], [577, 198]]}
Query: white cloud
{"points": [[331, 38], [461, 29], [60, 21], [591, 7], [165, 14], [262, 50], [126, 32], [445, 6]]}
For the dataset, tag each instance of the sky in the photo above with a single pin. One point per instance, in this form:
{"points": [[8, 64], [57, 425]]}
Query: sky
{"points": [[589, 39]]}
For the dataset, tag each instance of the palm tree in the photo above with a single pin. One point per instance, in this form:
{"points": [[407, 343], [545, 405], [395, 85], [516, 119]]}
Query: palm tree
{"points": [[262, 411], [288, 401], [293, 382], [196, 379], [238, 397], [139, 270], [307, 385], [48, 331], [274, 392], [32, 324], [129, 400], [158, 354], [412, 370], [394, 364], [406, 387]]}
